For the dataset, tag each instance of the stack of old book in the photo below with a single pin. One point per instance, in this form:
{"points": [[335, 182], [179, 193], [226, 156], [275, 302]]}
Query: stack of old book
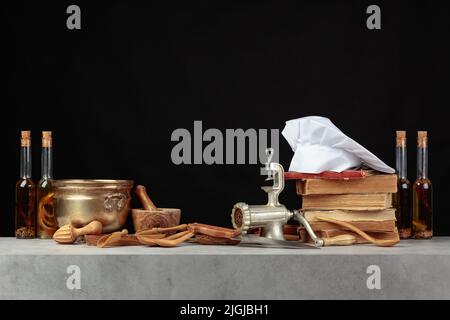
{"points": [[366, 203]]}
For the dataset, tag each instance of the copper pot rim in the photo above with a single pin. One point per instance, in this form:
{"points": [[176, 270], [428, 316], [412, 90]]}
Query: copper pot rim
{"points": [[92, 183]]}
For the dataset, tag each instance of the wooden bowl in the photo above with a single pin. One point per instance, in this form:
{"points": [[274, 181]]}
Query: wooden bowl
{"points": [[161, 218]]}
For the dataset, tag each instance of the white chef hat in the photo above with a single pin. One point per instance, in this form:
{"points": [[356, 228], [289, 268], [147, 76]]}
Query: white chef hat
{"points": [[319, 146]]}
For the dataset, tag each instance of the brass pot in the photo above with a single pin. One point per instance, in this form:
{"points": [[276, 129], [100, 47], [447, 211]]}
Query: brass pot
{"points": [[79, 202]]}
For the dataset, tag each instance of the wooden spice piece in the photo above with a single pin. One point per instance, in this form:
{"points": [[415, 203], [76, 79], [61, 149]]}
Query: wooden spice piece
{"points": [[161, 218], [213, 231], [68, 234], [142, 195], [115, 239], [174, 241], [181, 227], [167, 237], [208, 240], [377, 242]]}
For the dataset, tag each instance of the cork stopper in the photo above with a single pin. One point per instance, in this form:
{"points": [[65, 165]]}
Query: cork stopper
{"points": [[46, 139], [401, 138], [422, 139], [25, 138]]}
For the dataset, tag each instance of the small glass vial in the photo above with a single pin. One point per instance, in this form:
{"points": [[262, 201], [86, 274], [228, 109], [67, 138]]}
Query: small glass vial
{"points": [[402, 198], [25, 220], [422, 227], [46, 219]]}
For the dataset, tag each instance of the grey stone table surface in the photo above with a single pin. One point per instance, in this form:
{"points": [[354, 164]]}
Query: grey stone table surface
{"points": [[42, 269], [13, 246]]}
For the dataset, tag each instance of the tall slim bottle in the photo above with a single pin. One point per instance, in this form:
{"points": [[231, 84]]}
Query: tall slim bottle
{"points": [[402, 198], [422, 193], [25, 220], [46, 219]]}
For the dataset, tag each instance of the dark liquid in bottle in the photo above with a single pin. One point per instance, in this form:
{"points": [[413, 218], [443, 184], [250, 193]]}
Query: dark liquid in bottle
{"points": [[404, 211], [25, 209], [423, 209], [46, 219]]}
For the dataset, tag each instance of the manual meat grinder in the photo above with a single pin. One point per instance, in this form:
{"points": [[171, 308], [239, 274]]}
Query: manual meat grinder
{"points": [[271, 217]]}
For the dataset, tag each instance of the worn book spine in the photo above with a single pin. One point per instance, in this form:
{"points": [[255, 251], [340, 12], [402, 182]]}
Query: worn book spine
{"points": [[371, 226], [379, 183], [347, 215], [361, 202], [328, 175]]}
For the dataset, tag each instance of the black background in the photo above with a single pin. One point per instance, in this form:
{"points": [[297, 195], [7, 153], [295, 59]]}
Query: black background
{"points": [[114, 91]]}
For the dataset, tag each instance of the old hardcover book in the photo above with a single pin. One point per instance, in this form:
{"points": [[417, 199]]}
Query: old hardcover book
{"points": [[350, 216], [376, 183], [344, 175], [356, 201], [391, 235], [368, 226]]}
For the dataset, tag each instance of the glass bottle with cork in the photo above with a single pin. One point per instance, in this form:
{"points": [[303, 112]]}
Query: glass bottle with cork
{"points": [[422, 227], [25, 215], [402, 198], [46, 219]]}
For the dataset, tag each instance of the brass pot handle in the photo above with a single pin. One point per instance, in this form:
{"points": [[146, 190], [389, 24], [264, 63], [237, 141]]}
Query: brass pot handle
{"points": [[115, 201]]}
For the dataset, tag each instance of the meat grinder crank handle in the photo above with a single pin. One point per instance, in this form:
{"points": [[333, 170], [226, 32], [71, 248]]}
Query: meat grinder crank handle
{"points": [[318, 242]]}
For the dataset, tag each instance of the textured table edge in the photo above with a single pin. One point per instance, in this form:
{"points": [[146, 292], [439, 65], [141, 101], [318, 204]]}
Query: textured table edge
{"points": [[414, 270], [12, 246]]}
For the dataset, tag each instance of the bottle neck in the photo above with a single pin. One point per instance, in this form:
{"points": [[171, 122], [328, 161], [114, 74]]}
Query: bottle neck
{"points": [[401, 162], [25, 162], [47, 163], [422, 162]]}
